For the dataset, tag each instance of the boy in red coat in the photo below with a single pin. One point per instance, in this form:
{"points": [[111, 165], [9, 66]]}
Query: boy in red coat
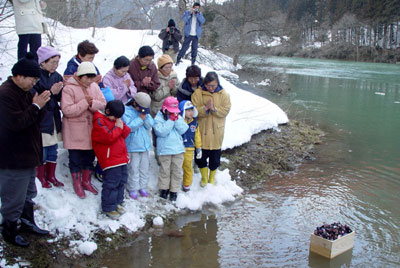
{"points": [[108, 140]]}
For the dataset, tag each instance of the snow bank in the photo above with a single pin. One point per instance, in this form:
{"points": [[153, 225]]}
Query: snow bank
{"points": [[63, 213]]}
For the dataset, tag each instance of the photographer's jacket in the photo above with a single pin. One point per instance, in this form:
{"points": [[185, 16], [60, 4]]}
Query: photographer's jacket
{"points": [[170, 40], [187, 19]]}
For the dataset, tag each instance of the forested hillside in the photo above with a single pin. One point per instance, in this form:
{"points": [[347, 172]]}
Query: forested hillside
{"points": [[366, 30]]}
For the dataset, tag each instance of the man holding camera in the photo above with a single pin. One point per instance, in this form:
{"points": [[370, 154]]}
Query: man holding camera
{"points": [[193, 20], [171, 37]]}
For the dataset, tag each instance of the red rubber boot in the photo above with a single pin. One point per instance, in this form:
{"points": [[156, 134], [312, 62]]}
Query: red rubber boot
{"points": [[87, 182], [40, 174], [77, 182], [51, 174]]}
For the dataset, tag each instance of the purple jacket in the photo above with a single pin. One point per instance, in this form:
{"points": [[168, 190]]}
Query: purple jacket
{"points": [[119, 89]]}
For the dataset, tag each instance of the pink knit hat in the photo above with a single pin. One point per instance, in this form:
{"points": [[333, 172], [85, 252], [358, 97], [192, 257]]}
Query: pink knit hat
{"points": [[47, 52]]}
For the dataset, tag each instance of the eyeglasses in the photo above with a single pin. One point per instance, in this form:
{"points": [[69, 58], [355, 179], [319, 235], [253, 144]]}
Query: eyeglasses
{"points": [[33, 79], [209, 86], [53, 62]]}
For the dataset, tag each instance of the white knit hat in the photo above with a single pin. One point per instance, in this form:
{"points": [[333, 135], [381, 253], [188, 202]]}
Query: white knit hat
{"points": [[86, 67]]}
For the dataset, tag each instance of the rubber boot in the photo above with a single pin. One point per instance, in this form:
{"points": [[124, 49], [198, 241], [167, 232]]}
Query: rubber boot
{"points": [[204, 176], [41, 175], [51, 174], [28, 221], [11, 235], [211, 179], [164, 193], [77, 182], [87, 182]]}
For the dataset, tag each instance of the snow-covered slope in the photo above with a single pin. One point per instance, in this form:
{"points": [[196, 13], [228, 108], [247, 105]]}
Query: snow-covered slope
{"points": [[62, 212]]}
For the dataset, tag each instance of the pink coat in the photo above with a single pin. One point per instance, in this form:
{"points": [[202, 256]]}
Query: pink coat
{"points": [[77, 115]]}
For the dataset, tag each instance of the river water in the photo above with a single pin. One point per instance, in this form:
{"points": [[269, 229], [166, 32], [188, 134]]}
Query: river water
{"points": [[355, 180]]}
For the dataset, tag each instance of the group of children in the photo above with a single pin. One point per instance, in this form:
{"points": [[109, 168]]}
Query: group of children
{"points": [[111, 118]]}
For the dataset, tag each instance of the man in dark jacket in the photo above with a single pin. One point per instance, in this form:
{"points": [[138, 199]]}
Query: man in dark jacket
{"points": [[21, 149], [171, 37]]}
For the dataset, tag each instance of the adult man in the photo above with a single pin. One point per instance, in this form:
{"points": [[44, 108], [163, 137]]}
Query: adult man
{"points": [[29, 24], [193, 20], [21, 149], [171, 37]]}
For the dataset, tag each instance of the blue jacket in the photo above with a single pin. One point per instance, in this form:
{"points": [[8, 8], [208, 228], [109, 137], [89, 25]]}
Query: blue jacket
{"points": [[52, 110], [73, 64], [169, 135], [139, 138], [185, 90], [187, 19], [188, 136]]}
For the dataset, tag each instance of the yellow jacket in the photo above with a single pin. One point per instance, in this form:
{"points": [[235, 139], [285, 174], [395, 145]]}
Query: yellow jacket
{"points": [[212, 123]]}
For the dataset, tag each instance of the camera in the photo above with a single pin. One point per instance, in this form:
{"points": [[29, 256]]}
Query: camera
{"points": [[172, 30], [196, 11]]}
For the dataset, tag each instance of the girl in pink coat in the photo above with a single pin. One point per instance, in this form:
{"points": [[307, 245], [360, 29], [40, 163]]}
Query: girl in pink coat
{"points": [[81, 98]]}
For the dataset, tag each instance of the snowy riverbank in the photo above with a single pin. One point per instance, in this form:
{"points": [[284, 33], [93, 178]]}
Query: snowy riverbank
{"points": [[64, 214]]}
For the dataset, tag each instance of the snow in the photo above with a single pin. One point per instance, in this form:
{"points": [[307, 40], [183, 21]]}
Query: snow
{"points": [[158, 221], [266, 82], [380, 93], [63, 213], [87, 248]]}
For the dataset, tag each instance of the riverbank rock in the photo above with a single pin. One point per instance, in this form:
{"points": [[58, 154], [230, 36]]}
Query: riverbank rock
{"points": [[272, 151]]}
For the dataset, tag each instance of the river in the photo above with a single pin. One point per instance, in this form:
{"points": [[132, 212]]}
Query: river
{"points": [[355, 180]]}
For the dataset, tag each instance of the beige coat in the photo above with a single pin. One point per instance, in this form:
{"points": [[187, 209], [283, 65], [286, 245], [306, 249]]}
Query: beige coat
{"points": [[162, 92], [212, 124], [28, 17], [78, 115]]}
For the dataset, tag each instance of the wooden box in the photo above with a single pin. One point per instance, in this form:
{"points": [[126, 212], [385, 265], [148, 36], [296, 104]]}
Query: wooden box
{"points": [[331, 248]]}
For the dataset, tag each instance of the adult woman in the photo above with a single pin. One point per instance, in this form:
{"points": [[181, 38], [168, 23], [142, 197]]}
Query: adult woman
{"points": [[50, 125], [29, 24], [120, 82], [81, 98], [213, 105], [143, 71], [169, 84]]}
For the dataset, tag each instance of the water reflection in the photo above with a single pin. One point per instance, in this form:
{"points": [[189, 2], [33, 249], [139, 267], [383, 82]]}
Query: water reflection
{"points": [[189, 242]]}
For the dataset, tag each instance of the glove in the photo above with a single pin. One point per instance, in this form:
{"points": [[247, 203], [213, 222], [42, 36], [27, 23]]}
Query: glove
{"points": [[173, 117], [199, 153]]}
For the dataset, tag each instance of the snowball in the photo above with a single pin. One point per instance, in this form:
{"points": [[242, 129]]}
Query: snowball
{"points": [[158, 221], [87, 247]]}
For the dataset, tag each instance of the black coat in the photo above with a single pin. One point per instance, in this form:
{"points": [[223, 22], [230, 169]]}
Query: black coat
{"points": [[20, 136], [52, 108], [170, 40]]}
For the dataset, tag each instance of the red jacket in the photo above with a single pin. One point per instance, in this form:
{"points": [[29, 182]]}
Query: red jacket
{"points": [[108, 142]]}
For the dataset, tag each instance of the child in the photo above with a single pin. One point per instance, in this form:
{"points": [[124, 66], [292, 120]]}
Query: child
{"points": [[108, 139], [81, 98], [169, 127], [138, 142], [86, 53], [189, 84], [191, 140], [50, 125]]}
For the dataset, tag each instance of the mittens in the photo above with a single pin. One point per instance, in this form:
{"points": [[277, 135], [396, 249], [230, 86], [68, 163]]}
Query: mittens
{"points": [[199, 153], [173, 117]]}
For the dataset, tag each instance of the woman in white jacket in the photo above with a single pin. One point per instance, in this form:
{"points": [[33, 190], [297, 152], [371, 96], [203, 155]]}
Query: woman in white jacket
{"points": [[29, 23]]}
